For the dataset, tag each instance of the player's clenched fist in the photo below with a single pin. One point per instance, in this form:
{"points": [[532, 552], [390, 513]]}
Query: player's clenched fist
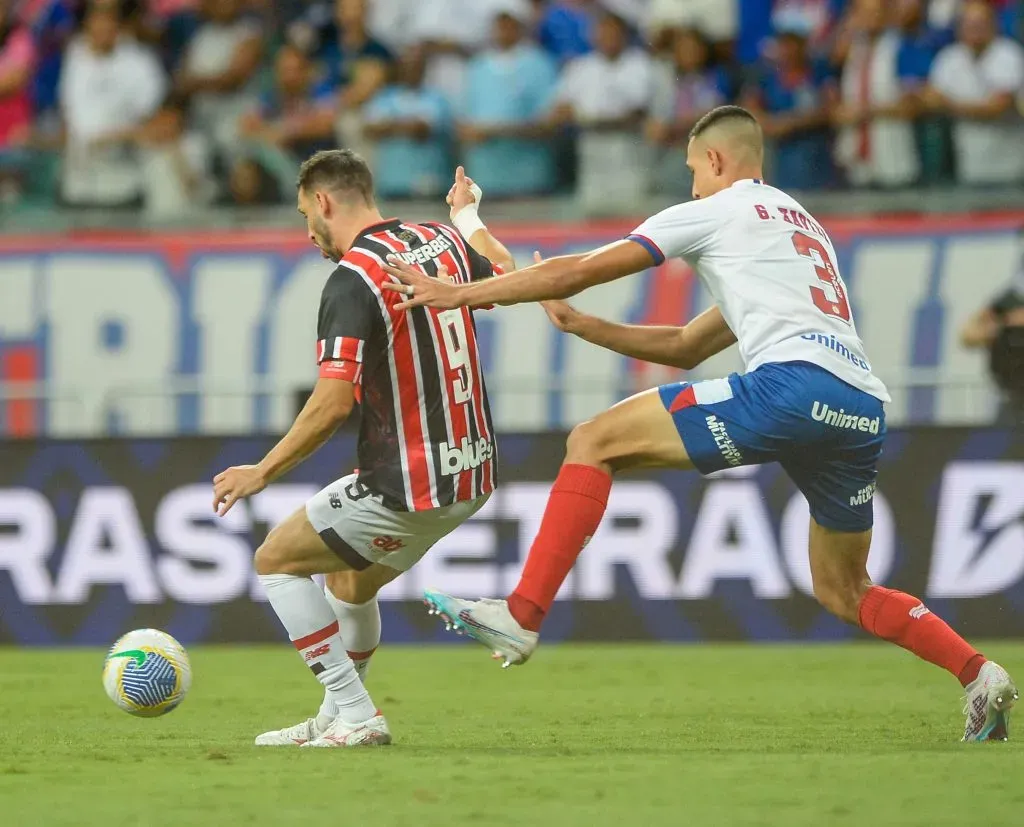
{"points": [[234, 484]]}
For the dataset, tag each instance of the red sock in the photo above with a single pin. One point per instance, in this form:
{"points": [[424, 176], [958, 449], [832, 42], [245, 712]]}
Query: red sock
{"points": [[574, 511], [904, 620]]}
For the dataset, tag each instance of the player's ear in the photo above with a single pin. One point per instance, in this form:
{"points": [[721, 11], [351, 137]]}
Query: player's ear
{"points": [[715, 160], [323, 202]]}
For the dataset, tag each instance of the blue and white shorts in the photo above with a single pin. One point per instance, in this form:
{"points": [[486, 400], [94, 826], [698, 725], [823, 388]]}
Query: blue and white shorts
{"points": [[826, 434]]}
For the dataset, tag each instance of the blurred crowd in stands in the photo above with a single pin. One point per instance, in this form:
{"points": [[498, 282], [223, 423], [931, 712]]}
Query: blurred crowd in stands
{"points": [[170, 104]]}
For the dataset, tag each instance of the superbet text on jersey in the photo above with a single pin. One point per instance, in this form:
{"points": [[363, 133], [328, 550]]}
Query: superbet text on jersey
{"points": [[426, 439], [743, 242]]}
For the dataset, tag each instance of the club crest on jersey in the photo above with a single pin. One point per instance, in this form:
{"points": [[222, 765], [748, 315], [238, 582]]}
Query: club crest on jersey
{"points": [[821, 412], [426, 252], [408, 236]]}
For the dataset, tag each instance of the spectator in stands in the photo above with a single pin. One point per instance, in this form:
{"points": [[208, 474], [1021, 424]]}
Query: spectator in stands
{"points": [[975, 81], [999, 328], [452, 30], [409, 123], [919, 45], [605, 95], [110, 86], [876, 143], [718, 20], [251, 185], [219, 68], [176, 163], [502, 127], [357, 63], [818, 19], [686, 86], [17, 62], [565, 29], [289, 117], [792, 98]]}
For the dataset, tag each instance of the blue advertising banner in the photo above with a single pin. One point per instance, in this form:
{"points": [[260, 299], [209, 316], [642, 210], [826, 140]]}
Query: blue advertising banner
{"points": [[161, 334], [98, 537]]}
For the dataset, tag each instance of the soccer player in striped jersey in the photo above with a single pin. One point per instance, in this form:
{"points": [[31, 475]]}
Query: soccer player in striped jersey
{"points": [[427, 452]]}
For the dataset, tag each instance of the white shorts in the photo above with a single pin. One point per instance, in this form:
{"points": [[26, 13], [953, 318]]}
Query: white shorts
{"points": [[357, 526]]}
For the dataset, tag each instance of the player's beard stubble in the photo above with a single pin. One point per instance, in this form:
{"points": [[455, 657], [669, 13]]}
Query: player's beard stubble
{"points": [[325, 240]]}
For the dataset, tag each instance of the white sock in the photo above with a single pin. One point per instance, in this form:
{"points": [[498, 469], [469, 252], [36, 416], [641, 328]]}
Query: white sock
{"points": [[360, 630], [313, 628]]}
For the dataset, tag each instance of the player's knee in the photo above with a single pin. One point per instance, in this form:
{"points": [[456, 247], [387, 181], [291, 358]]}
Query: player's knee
{"points": [[272, 557], [349, 587], [587, 444]]}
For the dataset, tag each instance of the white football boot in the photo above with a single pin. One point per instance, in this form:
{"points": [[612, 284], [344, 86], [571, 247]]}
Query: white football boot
{"points": [[487, 621], [293, 736], [371, 733], [989, 699]]}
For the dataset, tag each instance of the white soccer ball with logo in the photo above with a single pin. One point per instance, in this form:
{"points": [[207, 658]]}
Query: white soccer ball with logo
{"points": [[147, 673]]}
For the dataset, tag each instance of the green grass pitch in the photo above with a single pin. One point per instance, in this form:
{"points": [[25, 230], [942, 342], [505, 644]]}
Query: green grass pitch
{"points": [[622, 735]]}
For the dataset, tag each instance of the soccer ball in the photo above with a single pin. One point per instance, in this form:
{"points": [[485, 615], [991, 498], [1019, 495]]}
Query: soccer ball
{"points": [[147, 673]]}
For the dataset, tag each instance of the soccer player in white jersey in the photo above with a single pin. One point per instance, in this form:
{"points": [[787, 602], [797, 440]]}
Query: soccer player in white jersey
{"points": [[807, 400]]}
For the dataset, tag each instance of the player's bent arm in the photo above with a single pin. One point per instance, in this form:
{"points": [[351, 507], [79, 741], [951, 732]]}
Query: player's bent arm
{"points": [[485, 243], [326, 409], [560, 277], [679, 347]]}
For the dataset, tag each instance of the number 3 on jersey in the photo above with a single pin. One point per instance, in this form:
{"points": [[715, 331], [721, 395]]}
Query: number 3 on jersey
{"points": [[830, 299], [456, 345]]}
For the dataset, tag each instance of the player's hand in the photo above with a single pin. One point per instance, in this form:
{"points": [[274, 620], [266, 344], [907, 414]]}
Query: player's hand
{"points": [[421, 290], [562, 314], [234, 484], [463, 192]]}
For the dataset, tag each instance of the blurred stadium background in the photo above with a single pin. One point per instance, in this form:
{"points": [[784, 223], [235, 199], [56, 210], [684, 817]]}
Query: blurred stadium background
{"points": [[158, 297], [157, 324]]}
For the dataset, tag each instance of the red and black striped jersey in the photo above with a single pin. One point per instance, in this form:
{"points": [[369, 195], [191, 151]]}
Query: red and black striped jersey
{"points": [[426, 438]]}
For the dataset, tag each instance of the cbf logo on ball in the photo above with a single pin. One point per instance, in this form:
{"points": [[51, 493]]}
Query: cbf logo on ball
{"points": [[147, 673]]}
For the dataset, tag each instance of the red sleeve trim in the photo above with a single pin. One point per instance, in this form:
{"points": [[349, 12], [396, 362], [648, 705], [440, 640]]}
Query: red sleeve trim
{"points": [[347, 371]]}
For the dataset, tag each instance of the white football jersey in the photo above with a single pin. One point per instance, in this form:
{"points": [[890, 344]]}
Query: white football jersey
{"points": [[772, 271]]}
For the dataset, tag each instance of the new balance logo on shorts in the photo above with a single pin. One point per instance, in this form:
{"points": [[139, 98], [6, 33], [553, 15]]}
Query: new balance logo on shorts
{"points": [[841, 419], [863, 497], [919, 611], [723, 440], [466, 457], [334, 500]]}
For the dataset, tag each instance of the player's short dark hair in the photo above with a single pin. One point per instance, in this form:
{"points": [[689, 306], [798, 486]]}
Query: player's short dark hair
{"points": [[722, 114], [339, 171]]}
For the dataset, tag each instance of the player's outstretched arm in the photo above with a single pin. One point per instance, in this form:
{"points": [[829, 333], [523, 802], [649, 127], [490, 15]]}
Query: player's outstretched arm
{"points": [[326, 409], [556, 278], [679, 347]]}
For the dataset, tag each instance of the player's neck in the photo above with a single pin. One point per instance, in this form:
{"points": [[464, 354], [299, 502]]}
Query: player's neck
{"points": [[357, 221], [750, 173]]}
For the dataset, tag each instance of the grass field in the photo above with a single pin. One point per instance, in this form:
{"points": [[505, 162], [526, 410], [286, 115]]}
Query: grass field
{"points": [[618, 735]]}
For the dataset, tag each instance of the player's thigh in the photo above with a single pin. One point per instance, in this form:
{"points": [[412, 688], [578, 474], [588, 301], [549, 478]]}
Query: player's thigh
{"points": [[636, 433], [357, 587], [295, 547]]}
